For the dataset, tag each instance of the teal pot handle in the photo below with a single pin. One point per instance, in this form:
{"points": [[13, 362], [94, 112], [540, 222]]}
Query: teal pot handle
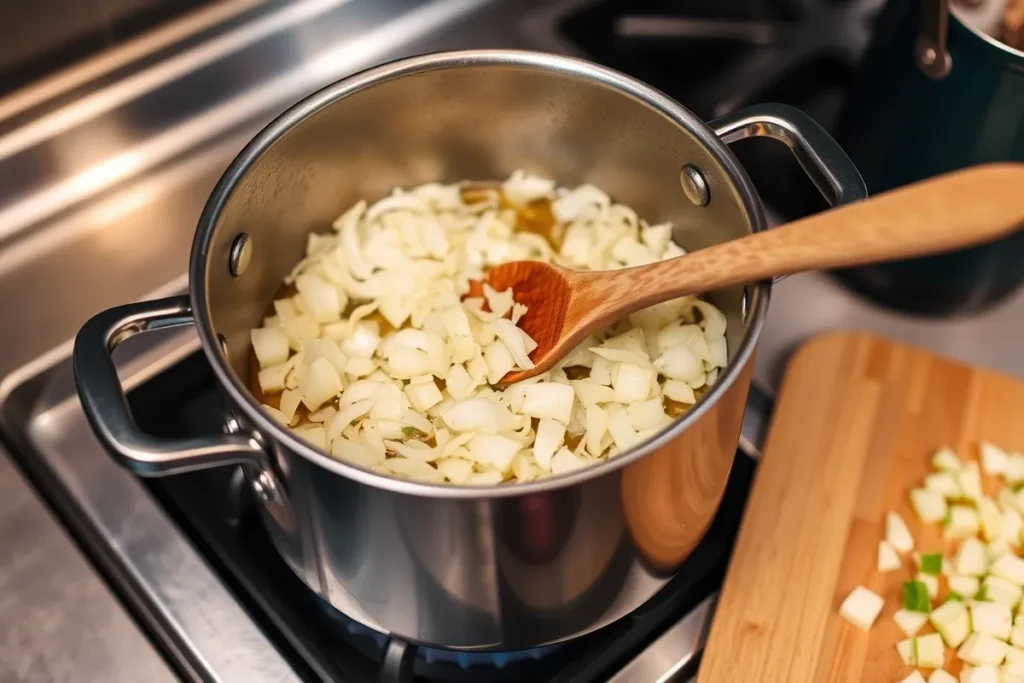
{"points": [[902, 124]]}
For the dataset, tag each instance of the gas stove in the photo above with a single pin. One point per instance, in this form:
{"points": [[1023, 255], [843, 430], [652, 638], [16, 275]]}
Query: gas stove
{"points": [[185, 555]]}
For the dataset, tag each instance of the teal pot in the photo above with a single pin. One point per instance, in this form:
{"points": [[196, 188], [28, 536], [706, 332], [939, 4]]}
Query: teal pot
{"points": [[901, 125]]}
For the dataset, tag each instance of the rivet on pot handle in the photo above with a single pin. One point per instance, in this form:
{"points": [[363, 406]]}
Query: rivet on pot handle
{"points": [[106, 407], [832, 172], [821, 157]]}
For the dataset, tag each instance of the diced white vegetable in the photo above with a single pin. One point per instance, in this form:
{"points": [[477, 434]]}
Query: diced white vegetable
{"points": [[914, 677], [552, 401], [970, 480], [861, 607], [943, 483], [941, 676], [964, 586], [550, 435], [455, 470], [946, 460], [997, 549], [363, 342], [320, 298], [930, 506], [1009, 567], [990, 517], [982, 648], [478, 415], [631, 382], [897, 533], [952, 621], [931, 582], [998, 589], [906, 651], [971, 559], [1017, 638], [910, 622], [981, 674], [991, 618], [407, 261], [994, 460], [270, 345], [644, 415], [888, 560], [424, 395], [495, 450], [1014, 469], [319, 383], [930, 651], [1013, 526], [680, 392], [566, 461], [962, 522], [273, 378]]}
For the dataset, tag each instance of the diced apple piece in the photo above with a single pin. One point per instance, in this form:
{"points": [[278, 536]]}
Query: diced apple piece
{"points": [[997, 549], [914, 677], [991, 519], [931, 653], [910, 622], [941, 676], [945, 460], [952, 622], [992, 618], [930, 506], [1017, 637], [964, 586], [1009, 567], [1014, 469], [888, 559], [944, 483], [962, 522], [931, 581], [971, 559], [981, 648], [994, 460], [998, 589], [861, 607], [1013, 525], [970, 480], [981, 674], [905, 648], [897, 533]]}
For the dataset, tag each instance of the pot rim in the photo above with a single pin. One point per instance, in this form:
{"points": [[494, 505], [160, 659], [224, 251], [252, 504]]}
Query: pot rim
{"points": [[242, 397]]}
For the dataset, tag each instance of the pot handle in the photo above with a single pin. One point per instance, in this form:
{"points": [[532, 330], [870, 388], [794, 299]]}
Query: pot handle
{"points": [[821, 157], [832, 172], [106, 407]]}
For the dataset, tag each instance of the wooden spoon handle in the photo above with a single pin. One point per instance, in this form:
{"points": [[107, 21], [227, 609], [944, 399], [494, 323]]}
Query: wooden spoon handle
{"points": [[941, 214]]}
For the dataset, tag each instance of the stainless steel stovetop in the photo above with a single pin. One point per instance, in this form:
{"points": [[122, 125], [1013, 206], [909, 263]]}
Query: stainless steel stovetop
{"points": [[103, 171]]}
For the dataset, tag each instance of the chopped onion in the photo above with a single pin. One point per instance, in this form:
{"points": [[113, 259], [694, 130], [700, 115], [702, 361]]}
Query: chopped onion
{"points": [[631, 383], [550, 435], [320, 382], [495, 450], [552, 401], [270, 345], [567, 461], [385, 354]]}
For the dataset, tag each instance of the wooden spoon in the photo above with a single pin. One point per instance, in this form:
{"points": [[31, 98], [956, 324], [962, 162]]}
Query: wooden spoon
{"points": [[941, 214]]}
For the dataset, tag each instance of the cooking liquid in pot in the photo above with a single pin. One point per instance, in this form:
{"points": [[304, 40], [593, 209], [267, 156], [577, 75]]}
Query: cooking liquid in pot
{"points": [[536, 217]]}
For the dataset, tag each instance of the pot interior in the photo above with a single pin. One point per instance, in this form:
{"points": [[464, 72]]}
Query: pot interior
{"points": [[446, 119]]}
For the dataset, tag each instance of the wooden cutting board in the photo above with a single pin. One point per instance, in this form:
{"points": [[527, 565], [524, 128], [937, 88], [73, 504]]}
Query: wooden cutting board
{"points": [[855, 425]]}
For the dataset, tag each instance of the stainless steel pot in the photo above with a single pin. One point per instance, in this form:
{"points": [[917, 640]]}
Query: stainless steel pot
{"points": [[473, 568]]}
